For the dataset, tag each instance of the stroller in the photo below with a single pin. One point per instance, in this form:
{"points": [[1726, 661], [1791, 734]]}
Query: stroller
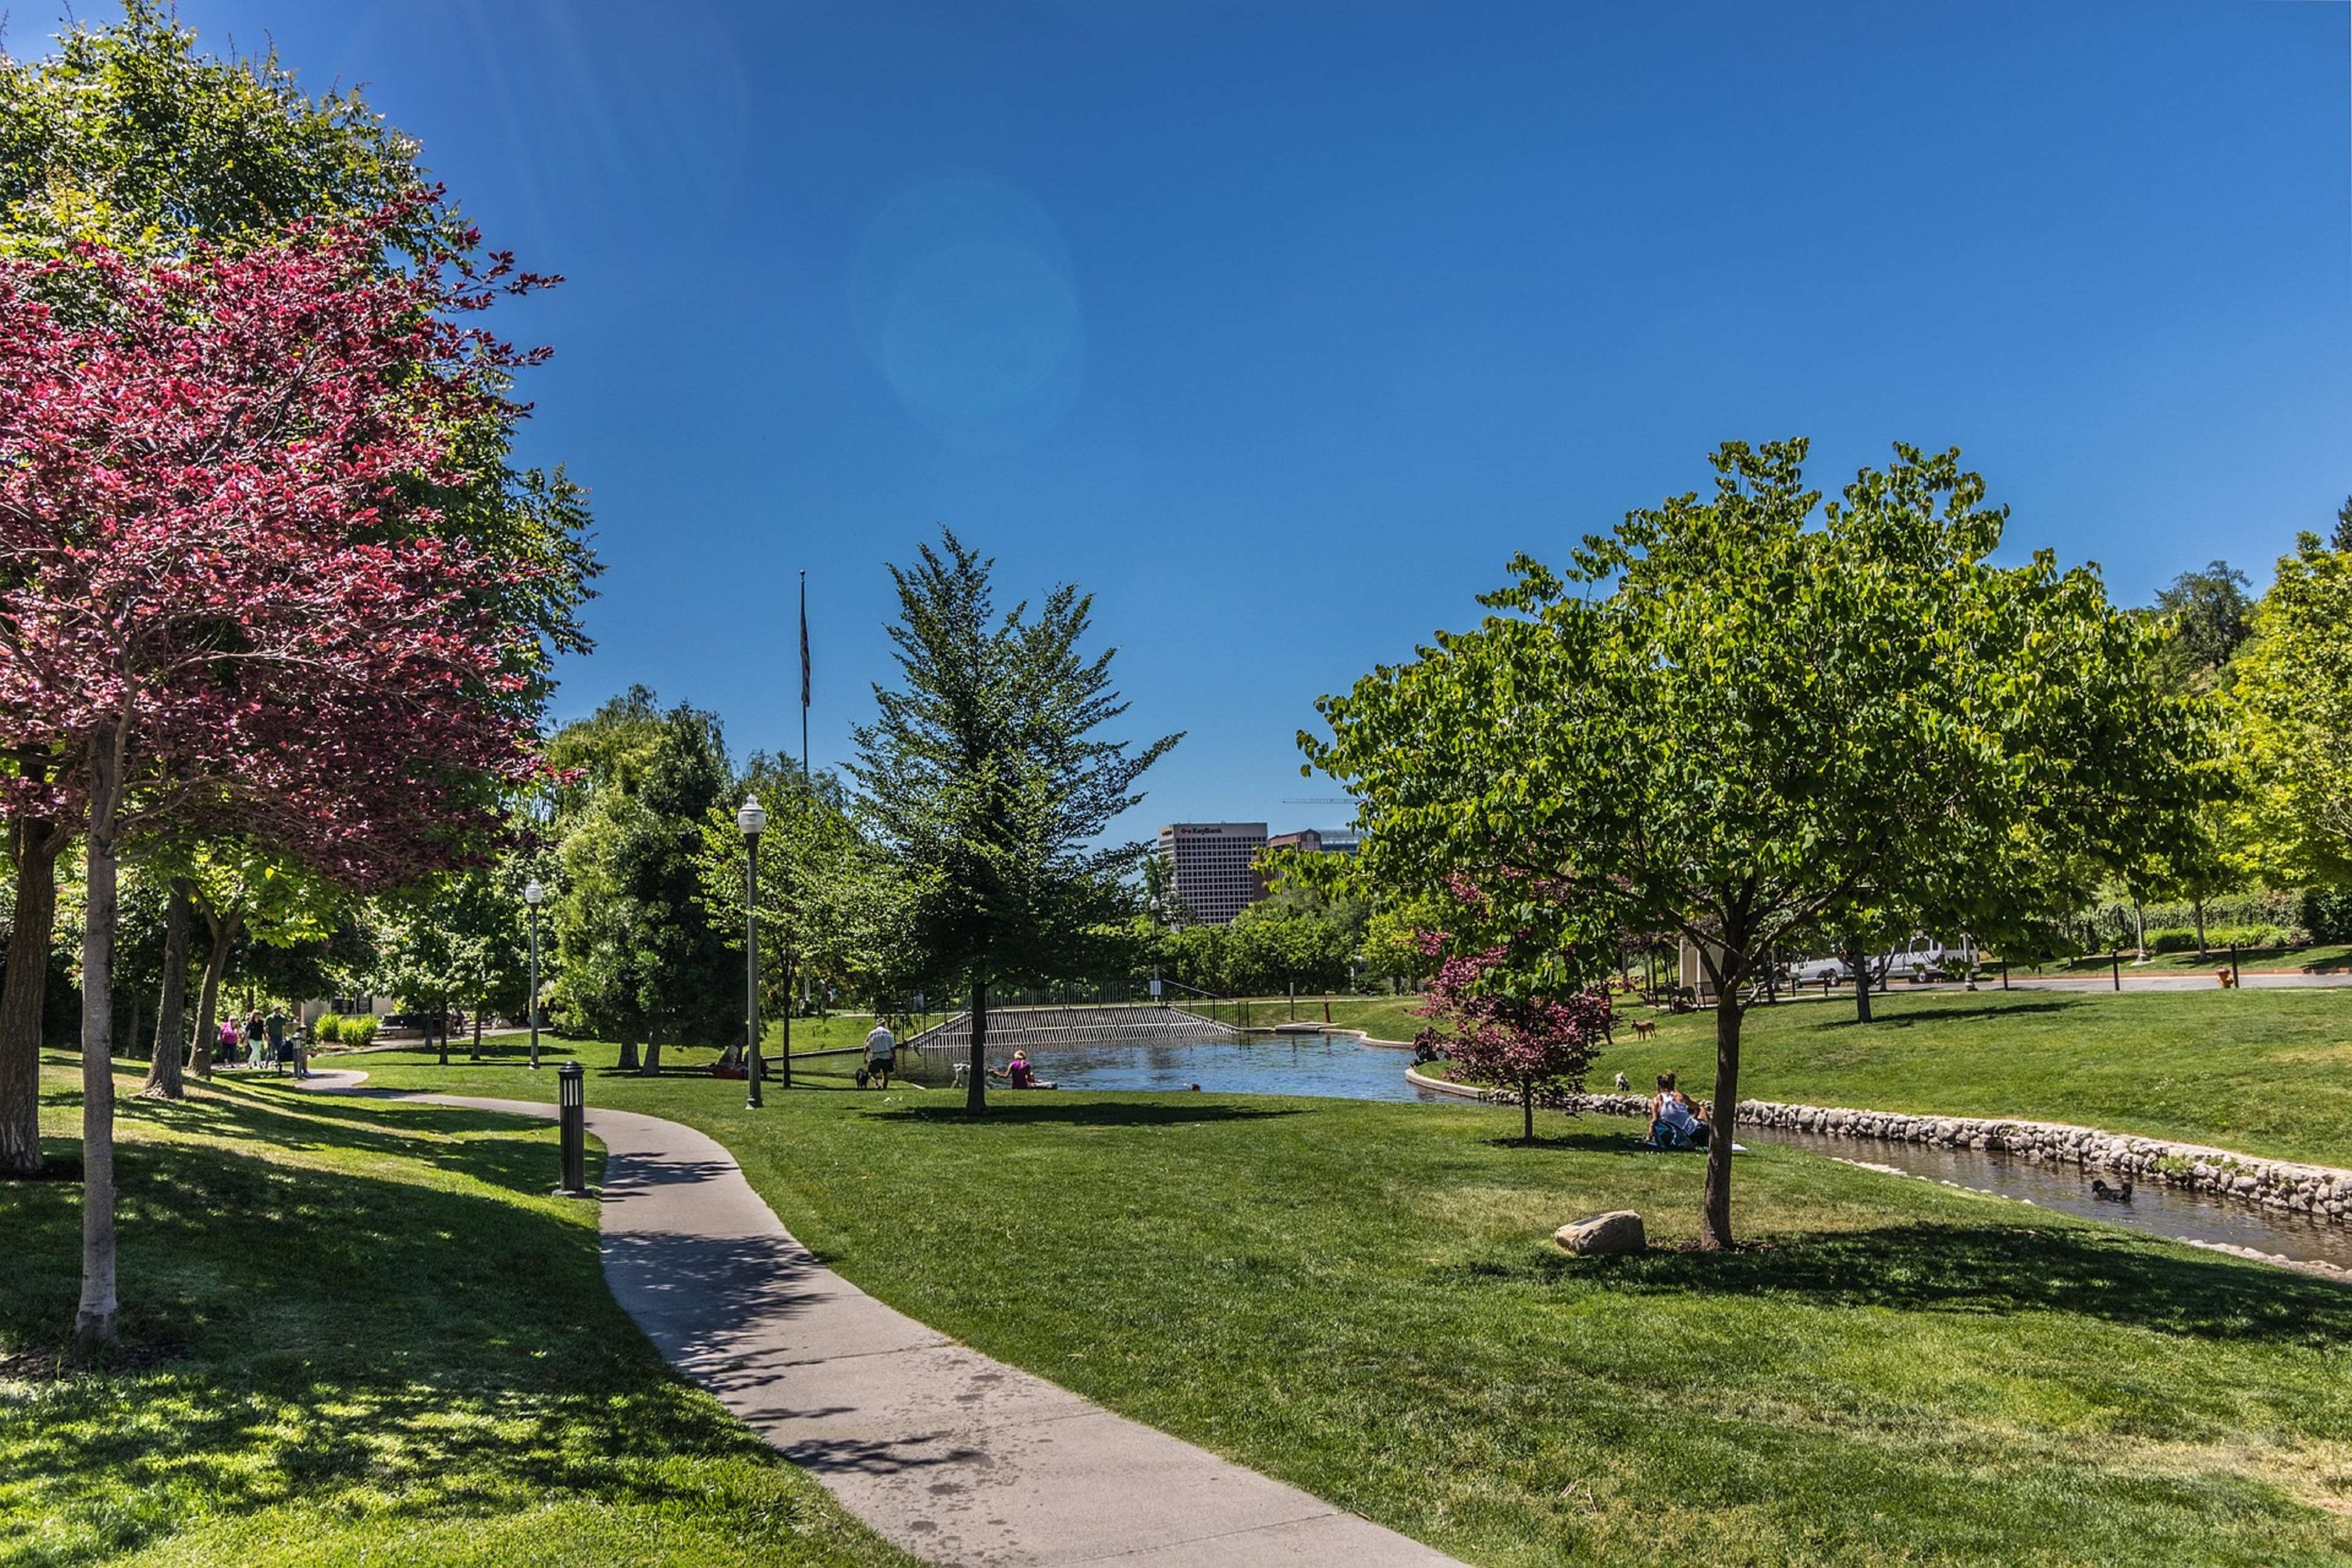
{"points": [[1664, 1136]]}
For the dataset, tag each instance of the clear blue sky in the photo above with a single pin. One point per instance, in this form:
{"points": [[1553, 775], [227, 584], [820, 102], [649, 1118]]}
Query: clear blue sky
{"points": [[1282, 327]]}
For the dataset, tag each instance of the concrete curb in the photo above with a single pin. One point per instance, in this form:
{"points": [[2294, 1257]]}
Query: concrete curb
{"points": [[949, 1454]]}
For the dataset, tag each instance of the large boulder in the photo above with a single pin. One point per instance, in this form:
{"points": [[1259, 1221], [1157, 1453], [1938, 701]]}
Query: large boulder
{"points": [[1603, 1235]]}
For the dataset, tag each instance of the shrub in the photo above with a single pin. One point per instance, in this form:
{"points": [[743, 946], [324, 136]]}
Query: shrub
{"points": [[329, 1029], [361, 1030], [2220, 938], [2257, 936], [2327, 912]]}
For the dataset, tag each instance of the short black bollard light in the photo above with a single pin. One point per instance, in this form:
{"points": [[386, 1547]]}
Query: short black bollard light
{"points": [[572, 1122]]}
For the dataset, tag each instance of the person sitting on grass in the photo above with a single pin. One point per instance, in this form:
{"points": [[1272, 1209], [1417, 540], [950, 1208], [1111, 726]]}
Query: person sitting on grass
{"points": [[881, 1053], [1673, 1123], [1018, 1074]]}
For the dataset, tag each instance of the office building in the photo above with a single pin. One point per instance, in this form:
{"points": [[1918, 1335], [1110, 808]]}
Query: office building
{"points": [[1213, 865], [1319, 840]]}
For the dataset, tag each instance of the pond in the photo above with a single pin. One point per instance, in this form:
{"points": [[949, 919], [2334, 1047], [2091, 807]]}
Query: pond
{"points": [[1336, 1066]]}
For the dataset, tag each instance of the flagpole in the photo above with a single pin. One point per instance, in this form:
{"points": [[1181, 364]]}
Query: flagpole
{"points": [[805, 748], [805, 679]]}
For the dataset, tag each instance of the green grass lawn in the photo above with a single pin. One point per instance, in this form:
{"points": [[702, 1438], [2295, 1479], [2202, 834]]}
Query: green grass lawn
{"points": [[357, 1332], [2265, 1072], [1364, 1300], [2323, 959]]}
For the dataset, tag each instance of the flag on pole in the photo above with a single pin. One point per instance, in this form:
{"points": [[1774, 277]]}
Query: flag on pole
{"points": [[804, 677]]}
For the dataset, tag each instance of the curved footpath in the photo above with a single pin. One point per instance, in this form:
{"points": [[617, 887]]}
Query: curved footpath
{"points": [[949, 1454]]}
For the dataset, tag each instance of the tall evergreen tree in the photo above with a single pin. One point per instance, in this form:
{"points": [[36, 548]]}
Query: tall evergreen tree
{"points": [[641, 957], [988, 784]]}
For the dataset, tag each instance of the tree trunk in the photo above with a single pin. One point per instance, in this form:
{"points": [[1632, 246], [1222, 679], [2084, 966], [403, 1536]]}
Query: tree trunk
{"points": [[628, 1062], [171, 1008], [975, 1091], [1861, 985], [1715, 1210], [23, 992], [2198, 907], [653, 1055], [94, 1321], [474, 1055], [224, 931], [2139, 931], [437, 1026]]}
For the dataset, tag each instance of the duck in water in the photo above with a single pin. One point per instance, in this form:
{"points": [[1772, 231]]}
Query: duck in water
{"points": [[2106, 1194]]}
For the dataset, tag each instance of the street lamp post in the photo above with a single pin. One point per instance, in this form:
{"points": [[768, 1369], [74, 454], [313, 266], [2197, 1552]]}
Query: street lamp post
{"points": [[752, 819], [534, 895]]}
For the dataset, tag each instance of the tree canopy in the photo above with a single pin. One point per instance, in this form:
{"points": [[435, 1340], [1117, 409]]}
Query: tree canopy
{"points": [[1750, 718]]}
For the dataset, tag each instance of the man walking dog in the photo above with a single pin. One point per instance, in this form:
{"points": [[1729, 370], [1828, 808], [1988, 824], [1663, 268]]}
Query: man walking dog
{"points": [[881, 1054]]}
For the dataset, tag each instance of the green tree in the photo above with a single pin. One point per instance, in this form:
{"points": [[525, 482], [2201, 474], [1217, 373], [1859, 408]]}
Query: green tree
{"points": [[986, 782], [128, 135], [2294, 696], [640, 956], [829, 910], [454, 940], [1747, 718], [2207, 616]]}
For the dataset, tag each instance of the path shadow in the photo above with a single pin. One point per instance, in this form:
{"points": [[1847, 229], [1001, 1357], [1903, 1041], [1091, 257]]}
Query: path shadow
{"points": [[1997, 1269]]}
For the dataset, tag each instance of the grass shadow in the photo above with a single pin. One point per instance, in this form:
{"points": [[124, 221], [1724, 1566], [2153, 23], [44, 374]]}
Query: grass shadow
{"points": [[1999, 1269], [450, 1138], [1046, 1109], [1954, 1014], [330, 1331]]}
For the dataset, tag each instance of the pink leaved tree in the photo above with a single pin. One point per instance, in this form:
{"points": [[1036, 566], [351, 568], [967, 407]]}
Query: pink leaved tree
{"points": [[221, 611], [1535, 1043]]}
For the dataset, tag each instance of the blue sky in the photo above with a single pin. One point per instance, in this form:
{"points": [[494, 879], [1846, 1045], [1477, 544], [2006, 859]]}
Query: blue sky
{"points": [[1283, 326]]}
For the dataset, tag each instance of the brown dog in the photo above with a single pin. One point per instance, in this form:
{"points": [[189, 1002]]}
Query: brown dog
{"points": [[1644, 1028], [2229, 981]]}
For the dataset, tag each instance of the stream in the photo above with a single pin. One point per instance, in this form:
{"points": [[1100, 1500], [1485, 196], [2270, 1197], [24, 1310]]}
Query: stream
{"points": [[2169, 1212]]}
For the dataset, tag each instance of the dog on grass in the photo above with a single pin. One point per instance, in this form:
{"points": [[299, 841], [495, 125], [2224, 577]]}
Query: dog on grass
{"points": [[1645, 1027]]}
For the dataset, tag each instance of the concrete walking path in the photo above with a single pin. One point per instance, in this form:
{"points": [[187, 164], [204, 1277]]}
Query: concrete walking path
{"points": [[952, 1456]]}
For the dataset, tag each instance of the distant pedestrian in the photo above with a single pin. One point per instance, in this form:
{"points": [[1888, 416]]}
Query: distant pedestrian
{"points": [[257, 1039], [881, 1054], [280, 1055]]}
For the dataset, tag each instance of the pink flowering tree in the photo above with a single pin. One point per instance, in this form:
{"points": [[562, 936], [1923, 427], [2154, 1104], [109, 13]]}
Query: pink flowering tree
{"points": [[224, 608], [1536, 1044]]}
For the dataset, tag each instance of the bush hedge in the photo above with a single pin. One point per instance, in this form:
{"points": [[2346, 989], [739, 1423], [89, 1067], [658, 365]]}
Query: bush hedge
{"points": [[2327, 913], [2220, 938], [359, 1030]]}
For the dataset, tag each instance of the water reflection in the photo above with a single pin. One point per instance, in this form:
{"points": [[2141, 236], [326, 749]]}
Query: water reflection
{"points": [[1329, 1065]]}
